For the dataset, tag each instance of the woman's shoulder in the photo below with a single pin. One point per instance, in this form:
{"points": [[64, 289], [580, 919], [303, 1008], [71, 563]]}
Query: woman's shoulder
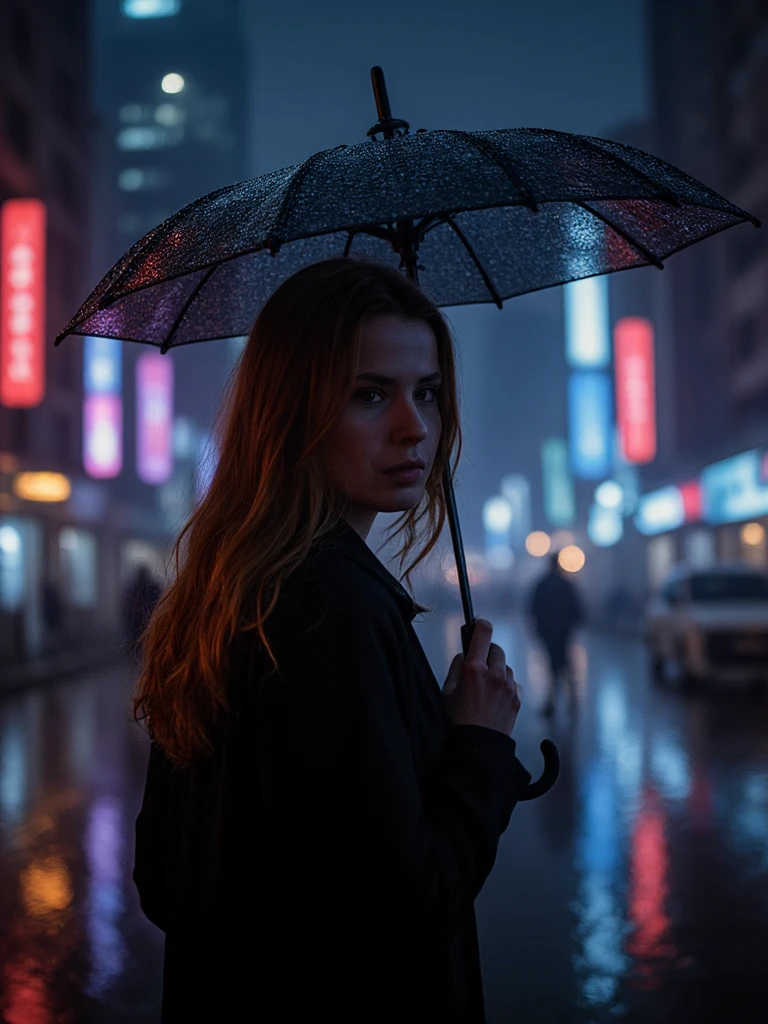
{"points": [[330, 582]]}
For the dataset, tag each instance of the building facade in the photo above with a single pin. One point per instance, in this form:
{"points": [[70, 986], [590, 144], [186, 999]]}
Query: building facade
{"points": [[45, 126], [706, 493]]}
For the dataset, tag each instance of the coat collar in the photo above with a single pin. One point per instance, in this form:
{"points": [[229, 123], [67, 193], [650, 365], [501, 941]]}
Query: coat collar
{"points": [[346, 539]]}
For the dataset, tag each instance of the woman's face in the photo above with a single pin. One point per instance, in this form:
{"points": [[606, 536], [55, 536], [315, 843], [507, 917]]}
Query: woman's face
{"points": [[391, 417]]}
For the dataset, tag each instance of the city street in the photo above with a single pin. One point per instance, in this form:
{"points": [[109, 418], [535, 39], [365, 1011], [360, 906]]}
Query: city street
{"points": [[636, 890]]}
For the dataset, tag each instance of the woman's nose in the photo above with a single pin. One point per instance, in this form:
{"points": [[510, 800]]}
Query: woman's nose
{"points": [[409, 419]]}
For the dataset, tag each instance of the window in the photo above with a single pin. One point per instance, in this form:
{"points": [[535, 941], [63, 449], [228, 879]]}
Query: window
{"points": [[722, 587], [149, 137], [134, 179], [12, 537], [150, 8], [18, 126], [77, 550]]}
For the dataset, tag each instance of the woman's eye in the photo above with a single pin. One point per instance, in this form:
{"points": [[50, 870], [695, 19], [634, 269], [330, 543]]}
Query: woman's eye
{"points": [[369, 391], [435, 390]]}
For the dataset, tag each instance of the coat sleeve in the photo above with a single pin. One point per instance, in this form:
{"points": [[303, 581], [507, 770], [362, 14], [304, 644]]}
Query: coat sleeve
{"points": [[340, 789]]}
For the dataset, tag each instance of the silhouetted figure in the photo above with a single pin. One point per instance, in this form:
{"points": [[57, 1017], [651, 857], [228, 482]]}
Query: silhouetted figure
{"points": [[52, 615], [139, 601], [556, 611]]}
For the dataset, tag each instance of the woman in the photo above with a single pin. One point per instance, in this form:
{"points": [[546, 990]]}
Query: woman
{"points": [[318, 817]]}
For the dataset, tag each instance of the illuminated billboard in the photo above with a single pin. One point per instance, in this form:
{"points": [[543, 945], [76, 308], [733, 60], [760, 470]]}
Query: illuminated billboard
{"points": [[154, 418], [635, 388], [590, 424], [102, 408], [733, 489], [659, 511], [557, 484], [587, 337], [102, 366], [517, 491], [22, 303], [102, 436], [605, 526]]}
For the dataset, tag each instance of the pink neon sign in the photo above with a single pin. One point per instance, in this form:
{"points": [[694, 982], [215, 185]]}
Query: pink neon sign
{"points": [[154, 418], [102, 436]]}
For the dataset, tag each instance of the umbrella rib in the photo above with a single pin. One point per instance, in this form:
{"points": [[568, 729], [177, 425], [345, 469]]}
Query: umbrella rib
{"points": [[275, 241], [483, 273], [183, 312], [663, 193], [488, 150], [651, 257]]}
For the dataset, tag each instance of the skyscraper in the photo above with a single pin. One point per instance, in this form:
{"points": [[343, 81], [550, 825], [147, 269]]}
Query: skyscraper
{"points": [[170, 87]]}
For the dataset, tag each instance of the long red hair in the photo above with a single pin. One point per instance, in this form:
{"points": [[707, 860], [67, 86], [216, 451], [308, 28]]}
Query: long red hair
{"points": [[267, 501]]}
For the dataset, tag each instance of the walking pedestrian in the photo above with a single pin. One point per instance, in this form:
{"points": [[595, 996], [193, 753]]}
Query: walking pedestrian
{"points": [[318, 817], [555, 610]]}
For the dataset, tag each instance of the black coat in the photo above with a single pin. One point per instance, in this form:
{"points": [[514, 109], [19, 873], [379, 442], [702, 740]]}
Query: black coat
{"points": [[325, 860]]}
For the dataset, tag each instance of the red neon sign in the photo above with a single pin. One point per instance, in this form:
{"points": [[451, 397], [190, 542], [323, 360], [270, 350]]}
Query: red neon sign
{"points": [[635, 388], [22, 303], [691, 493]]}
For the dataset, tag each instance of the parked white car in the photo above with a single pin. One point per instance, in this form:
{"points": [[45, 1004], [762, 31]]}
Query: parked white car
{"points": [[710, 624]]}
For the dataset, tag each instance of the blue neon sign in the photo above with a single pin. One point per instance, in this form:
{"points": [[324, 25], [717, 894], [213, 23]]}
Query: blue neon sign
{"points": [[102, 366], [590, 423], [733, 489], [587, 331]]}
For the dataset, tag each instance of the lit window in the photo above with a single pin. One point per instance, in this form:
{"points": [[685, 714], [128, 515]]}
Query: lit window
{"points": [[142, 138], [131, 113], [133, 179], [168, 115], [130, 180], [11, 566], [151, 8], [78, 554]]}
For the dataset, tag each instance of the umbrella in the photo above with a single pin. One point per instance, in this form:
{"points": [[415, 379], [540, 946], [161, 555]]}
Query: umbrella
{"points": [[473, 216]]}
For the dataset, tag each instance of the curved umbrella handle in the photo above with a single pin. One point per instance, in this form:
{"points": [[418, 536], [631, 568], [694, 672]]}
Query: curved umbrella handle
{"points": [[548, 777]]}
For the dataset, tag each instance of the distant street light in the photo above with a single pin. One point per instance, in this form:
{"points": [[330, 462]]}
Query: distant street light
{"points": [[571, 559], [753, 534], [172, 83], [609, 494], [497, 515], [537, 543]]}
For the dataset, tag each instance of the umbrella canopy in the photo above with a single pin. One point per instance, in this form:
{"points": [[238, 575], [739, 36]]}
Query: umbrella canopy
{"points": [[492, 214]]}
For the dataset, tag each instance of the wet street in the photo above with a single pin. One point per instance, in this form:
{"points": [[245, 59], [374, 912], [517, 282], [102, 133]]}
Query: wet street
{"points": [[636, 890]]}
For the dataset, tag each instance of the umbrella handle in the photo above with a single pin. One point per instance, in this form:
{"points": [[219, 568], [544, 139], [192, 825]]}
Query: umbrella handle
{"points": [[548, 777], [549, 751]]}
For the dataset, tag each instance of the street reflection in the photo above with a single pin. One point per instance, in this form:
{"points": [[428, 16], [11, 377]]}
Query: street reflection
{"points": [[648, 894], [46, 890], [104, 842], [651, 845], [599, 961]]}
